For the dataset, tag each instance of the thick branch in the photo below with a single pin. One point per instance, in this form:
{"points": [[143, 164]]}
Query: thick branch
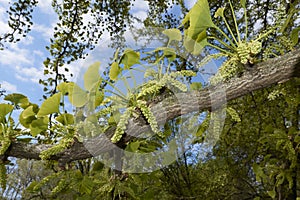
{"points": [[263, 75]]}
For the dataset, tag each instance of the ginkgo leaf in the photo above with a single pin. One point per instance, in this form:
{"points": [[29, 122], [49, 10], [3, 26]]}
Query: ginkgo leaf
{"points": [[114, 71], [199, 19], [173, 34], [63, 88], [295, 36], [65, 119], [39, 125], [4, 110], [18, 99], [28, 115], [28, 112], [77, 96], [196, 46], [50, 105], [130, 58], [219, 13], [99, 97], [91, 76]]}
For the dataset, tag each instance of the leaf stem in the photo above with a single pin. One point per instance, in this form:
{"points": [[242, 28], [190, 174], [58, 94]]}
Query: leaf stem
{"points": [[226, 36], [235, 22], [220, 49], [222, 42], [229, 29]]}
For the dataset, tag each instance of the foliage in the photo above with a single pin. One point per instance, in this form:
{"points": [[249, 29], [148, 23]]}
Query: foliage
{"points": [[257, 156]]}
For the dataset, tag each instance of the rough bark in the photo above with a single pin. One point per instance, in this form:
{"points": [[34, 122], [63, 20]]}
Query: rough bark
{"points": [[263, 75]]}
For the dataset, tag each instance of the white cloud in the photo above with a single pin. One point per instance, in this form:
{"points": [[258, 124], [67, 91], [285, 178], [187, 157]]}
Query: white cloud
{"points": [[3, 18], [140, 5], [8, 87], [46, 6], [15, 55], [29, 74], [46, 31]]}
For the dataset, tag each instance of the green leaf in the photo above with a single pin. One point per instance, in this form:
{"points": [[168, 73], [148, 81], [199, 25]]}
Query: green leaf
{"points": [[114, 71], [196, 46], [173, 34], [295, 36], [199, 19], [133, 146], [50, 105], [272, 193], [91, 76], [18, 99], [4, 110], [63, 88], [65, 119], [219, 13], [39, 125], [28, 112], [77, 96], [130, 58], [96, 96]]}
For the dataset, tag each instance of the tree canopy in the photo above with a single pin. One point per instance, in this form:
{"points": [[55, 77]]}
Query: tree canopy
{"points": [[236, 136]]}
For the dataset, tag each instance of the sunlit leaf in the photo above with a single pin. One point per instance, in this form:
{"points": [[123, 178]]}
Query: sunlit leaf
{"points": [[91, 76], [39, 125], [219, 13], [50, 105], [196, 46], [27, 116], [4, 110], [18, 99], [77, 96], [173, 34], [28, 112], [295, 36], [130, 58], [63, 88], [65, 119], [199, 19], [114, 71]]}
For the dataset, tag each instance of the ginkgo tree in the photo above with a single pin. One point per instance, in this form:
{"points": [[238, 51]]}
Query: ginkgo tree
{"points": [[106, 123]]}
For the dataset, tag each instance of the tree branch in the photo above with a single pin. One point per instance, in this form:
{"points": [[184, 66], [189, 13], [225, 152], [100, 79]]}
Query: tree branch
{"points": [[263, 75]]}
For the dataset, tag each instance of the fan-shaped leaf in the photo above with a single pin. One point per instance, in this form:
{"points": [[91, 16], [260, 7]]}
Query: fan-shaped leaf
{"points": [[50, 105], [91, 76], [199, 19], [4, 110], [173, 34], [114, 71], [39, 125], [130, 58], [77, 96], [18, 99], [65, 119]]}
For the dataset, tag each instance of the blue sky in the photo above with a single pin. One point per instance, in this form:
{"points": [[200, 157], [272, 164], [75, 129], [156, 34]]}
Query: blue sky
{"points": [[21, 64]]}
